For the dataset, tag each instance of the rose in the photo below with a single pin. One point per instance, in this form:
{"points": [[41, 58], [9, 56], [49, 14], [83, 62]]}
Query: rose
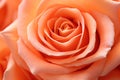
{"points": [[8, 11], [28, 56], [64, 40], [26, 42], [34, 69]]}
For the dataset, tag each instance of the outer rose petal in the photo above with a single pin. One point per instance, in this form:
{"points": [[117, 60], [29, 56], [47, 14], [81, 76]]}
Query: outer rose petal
{"points": [[113, 75], [4, 54], [8, 12], [78, 75], [2, 13], [11, 37], [113, 59], [26, 7], [43, 66], [13, 72]]}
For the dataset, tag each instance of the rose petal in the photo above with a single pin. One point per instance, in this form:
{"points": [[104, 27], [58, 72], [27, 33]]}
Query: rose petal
{"points": [[2, 13], [1, 72], [15, 73], [82, 74], [113, 59], [9, 12], [113, 75], [39, 64], [10, 36], [26, 7], [4, 54], [4, 50]]}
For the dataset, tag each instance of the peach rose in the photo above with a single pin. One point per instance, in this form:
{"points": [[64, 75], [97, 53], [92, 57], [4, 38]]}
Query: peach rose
{"points": [[64, 40], [8, 11]]}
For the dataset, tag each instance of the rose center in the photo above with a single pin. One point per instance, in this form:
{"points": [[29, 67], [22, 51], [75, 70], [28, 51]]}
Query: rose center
{"points": [[65, 30]]}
